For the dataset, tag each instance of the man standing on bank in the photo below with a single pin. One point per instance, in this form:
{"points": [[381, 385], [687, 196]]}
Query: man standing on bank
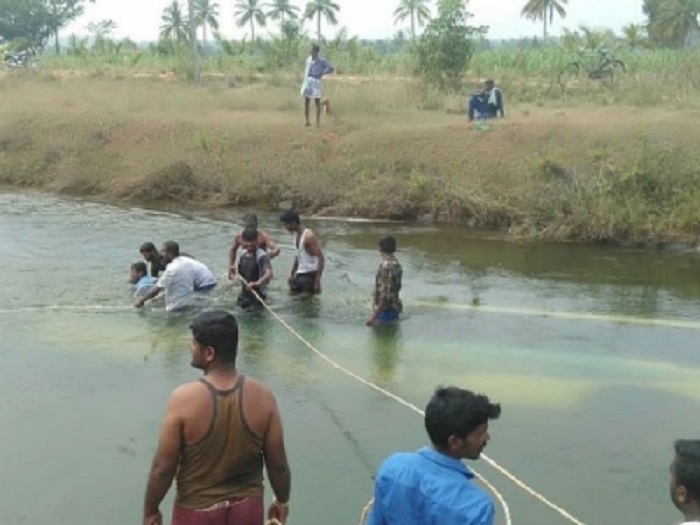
{"points": [[415, 488], [312, 86], [305, 278], [217, 434]]}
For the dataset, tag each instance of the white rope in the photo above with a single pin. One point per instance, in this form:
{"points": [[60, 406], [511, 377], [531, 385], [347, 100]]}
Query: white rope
{"points": [[411, 406]]}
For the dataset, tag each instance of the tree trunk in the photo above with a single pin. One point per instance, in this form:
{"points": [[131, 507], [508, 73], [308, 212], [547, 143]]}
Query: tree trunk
{"points": [[413, 24], [544, 38], [57, 44], [204, 37], [194, 43], [252, 29], [318, 28]]}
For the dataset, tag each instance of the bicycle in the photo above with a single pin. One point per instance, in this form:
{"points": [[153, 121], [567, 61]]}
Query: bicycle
{"points": [[605, 70]]}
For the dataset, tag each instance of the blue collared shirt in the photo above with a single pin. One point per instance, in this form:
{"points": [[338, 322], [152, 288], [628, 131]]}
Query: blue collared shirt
{"points": [[428, 488], [144, 285]]}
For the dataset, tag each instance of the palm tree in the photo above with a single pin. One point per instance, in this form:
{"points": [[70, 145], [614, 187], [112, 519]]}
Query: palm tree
{"points": [[417, 10], [676, 20], [279, 9], [174, 26], [249, 12], [634, 35], [321, 9], [544, 10], [206, 14]]}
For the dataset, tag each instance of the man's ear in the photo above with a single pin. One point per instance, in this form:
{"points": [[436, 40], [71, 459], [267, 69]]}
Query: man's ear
{"points": [[681, 494]]}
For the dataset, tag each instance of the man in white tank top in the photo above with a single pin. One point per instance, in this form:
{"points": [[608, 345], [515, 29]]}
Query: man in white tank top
{"points": [[305, 278], [685, 480]]}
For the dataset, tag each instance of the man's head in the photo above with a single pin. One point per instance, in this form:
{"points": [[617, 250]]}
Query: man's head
{"points": [[685, 478], [315, 50], [250, 220], [250, 240], [171, 250], [457, 421], [387, 245], [138, 270], [214, 340], [149, 252], [489, 83], [291, 220]]}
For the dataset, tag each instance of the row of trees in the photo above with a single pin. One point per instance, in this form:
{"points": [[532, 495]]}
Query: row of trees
{"points": [[37, 20]]}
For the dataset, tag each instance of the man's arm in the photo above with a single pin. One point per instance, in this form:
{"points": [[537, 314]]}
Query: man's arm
{"points": [[272, 249], [499, 100], [152, 293], [166, 459], [314, 248], [276, 463], [328, 67], [266, 266], [232, 254]]}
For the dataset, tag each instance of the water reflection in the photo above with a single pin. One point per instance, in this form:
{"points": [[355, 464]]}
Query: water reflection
{"points": [[387, 345]]}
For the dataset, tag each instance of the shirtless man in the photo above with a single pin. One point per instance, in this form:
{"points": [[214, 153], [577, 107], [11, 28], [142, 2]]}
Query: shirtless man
{"points": [[305, 278], [250, 221], [217, 435]]}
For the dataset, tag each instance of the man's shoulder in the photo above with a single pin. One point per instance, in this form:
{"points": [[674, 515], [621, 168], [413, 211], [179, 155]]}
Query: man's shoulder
{"points": [[399, 461]]}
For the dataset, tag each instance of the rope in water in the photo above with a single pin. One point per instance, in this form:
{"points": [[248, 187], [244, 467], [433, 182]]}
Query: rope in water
{"points": [[491, 462]]}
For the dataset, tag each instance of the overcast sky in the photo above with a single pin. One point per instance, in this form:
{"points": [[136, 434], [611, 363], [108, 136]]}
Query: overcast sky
{"points": [[140, 19]]}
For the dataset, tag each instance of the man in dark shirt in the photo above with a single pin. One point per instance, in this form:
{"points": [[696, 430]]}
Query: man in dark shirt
{"points": [[152, 255], [255, 267], [488, 103]]}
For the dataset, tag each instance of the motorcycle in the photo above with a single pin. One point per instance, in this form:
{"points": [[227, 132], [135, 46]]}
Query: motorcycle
{"points": [[25, 59]]}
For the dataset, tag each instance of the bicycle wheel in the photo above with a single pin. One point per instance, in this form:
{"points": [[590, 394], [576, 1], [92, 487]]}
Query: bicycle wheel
{"points": [[612, 69], [569, 74]]}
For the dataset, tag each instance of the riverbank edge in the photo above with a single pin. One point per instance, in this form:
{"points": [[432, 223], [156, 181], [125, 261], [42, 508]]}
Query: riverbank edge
{"points": [[536, 187]]}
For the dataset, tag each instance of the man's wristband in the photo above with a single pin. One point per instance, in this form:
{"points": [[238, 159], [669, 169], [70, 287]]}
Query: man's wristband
{"points": [[279, 504]]}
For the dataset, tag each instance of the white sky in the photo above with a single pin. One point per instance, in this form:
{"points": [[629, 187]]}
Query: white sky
{"points": [[140, 19]]}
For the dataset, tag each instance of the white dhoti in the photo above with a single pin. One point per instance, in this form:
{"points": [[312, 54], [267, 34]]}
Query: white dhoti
{"points": [[312, 88]]}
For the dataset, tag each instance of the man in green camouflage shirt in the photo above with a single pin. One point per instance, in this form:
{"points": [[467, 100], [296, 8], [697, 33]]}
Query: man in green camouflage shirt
{"points": [[387, 303]]}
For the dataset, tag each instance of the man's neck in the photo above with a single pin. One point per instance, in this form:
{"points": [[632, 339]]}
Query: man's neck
{"points": [[221, 370], [444, 452], [692, 513]]}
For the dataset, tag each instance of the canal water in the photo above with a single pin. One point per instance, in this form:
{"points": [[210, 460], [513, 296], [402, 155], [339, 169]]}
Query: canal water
{"points": [[591, 351]]}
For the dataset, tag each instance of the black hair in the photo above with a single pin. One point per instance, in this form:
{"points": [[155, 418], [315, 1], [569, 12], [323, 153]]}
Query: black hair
{"points": [[217, 329], [147, 247], [140, 267], [250, 235], [387, 244], [290, 217], [249, 218], [315, 48], [172, 248], [687, 467], [456, 412]]}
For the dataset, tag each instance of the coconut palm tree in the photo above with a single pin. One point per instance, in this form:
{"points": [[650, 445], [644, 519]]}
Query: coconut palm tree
{"points": [[321, 9], [634, 36], [416, 10], [677, 20], [206, 14], [544, 10], [282, 10], [174, 25], [249, 12]]}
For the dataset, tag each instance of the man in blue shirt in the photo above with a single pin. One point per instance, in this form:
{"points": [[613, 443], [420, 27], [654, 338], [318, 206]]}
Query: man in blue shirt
{"points": [[432, 486], [311, 88], [486, 104], [140, 279]]}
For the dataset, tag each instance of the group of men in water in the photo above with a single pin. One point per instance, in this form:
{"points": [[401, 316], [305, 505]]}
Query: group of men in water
{"points": [[179, 276]]}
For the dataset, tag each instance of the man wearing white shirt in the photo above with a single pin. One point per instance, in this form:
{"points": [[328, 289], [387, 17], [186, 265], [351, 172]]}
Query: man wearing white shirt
{"points": [[181, 278], [685, 480]]}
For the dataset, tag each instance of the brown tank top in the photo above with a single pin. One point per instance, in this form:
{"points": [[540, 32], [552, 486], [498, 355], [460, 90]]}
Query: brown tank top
{"points": [[227, 463]]}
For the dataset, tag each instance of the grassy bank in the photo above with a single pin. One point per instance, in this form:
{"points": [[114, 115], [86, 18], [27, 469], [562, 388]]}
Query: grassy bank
{"points": [[390, 150]]}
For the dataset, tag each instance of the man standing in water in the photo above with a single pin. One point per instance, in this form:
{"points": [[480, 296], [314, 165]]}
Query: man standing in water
{"points": [[264, 241], [387, 285], [255, 268], [151, 256], [312, 86], [309, 262], [685, 480], [217, 434], [413, 488]]}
